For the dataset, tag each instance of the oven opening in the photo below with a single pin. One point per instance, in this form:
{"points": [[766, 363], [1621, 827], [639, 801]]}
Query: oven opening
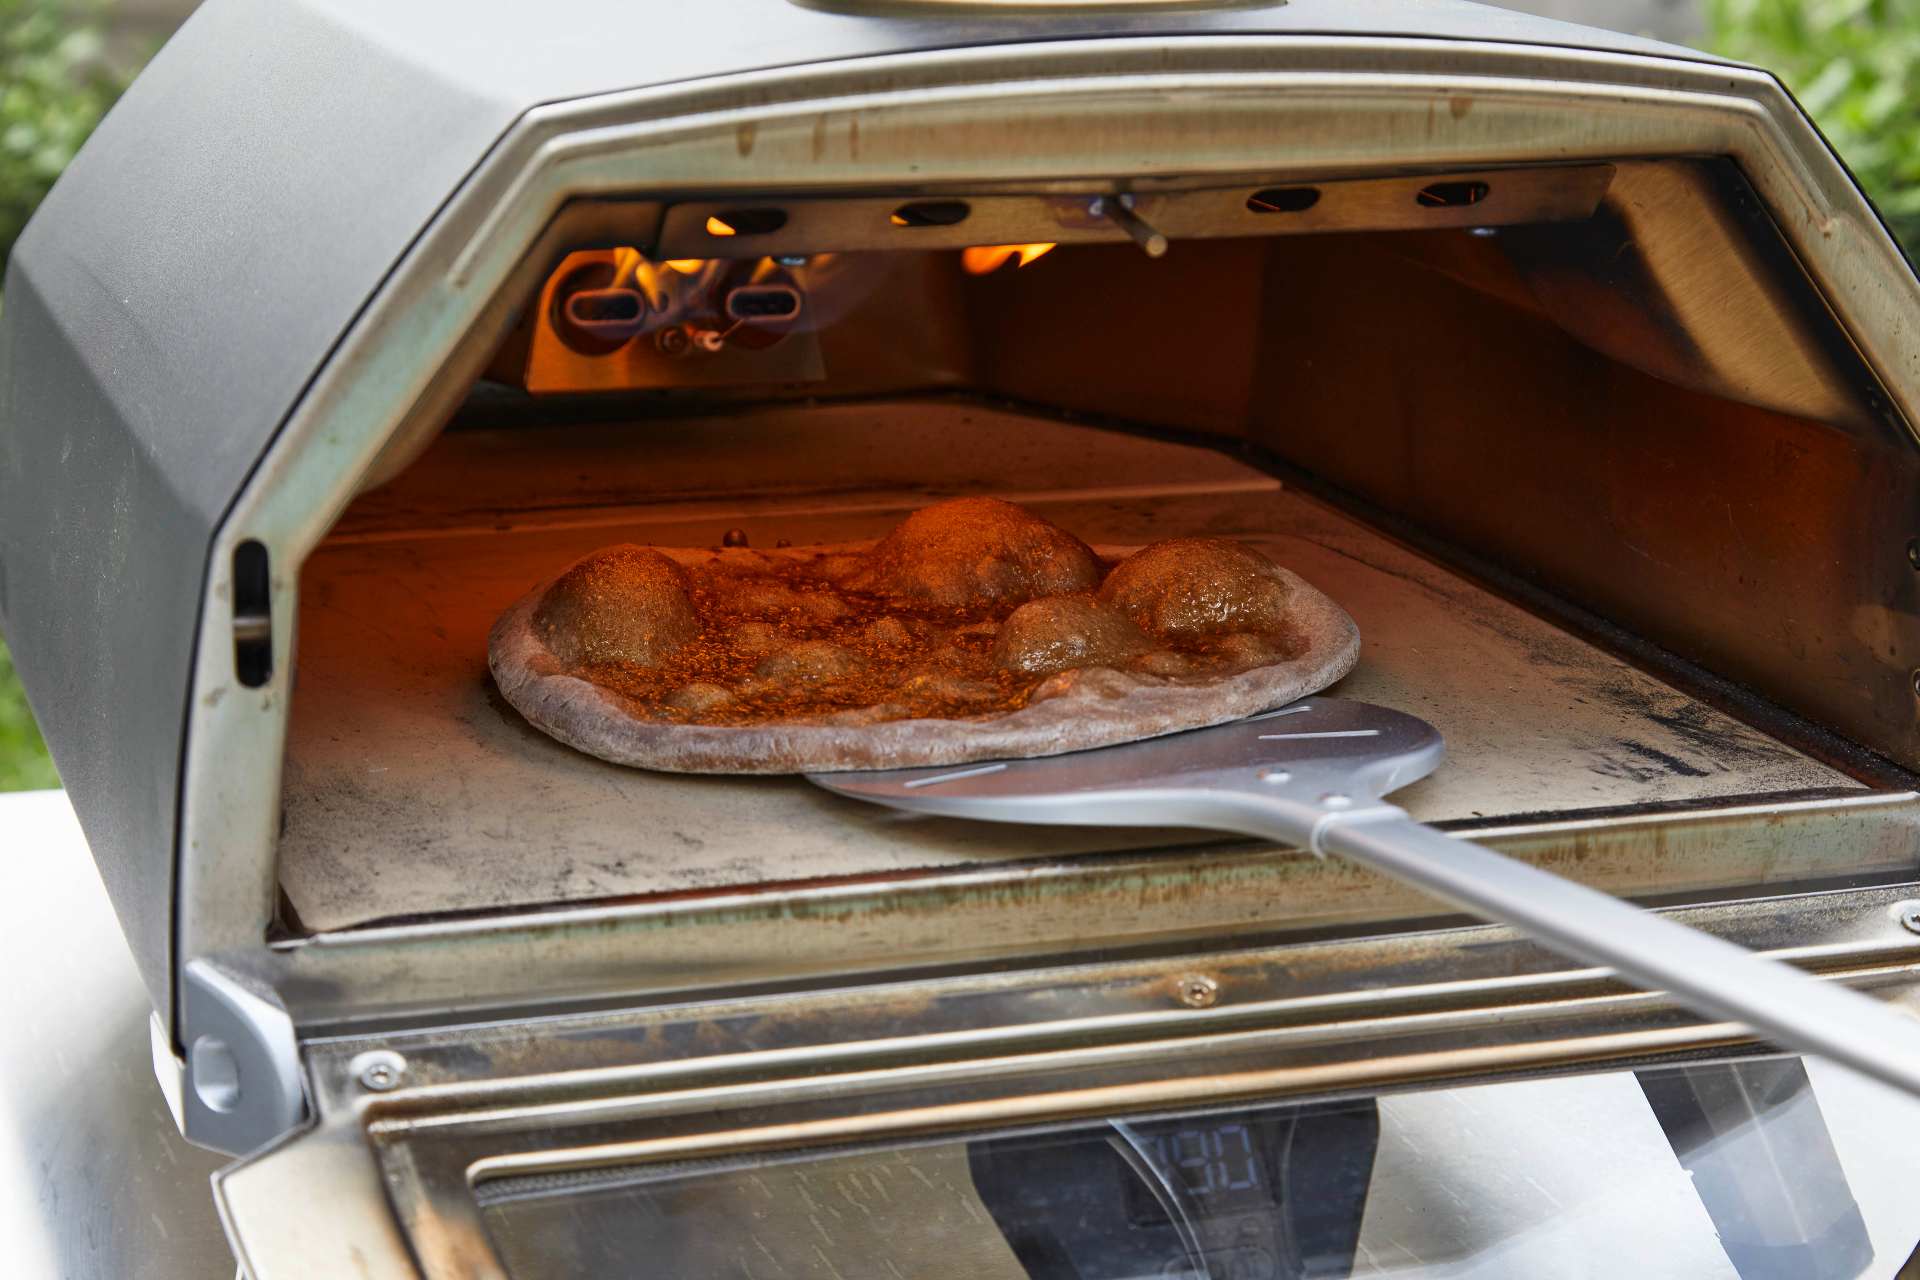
{"points": [[1590, 465]]}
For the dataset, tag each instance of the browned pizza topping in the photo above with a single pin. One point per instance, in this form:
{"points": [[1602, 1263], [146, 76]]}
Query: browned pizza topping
{"points": [[624, 604], [972, 607]]}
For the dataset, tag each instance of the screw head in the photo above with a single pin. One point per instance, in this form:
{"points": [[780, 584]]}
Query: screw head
{"points": [[1913, 552], [1198, 991], [1336, 800], [379, 1071], [1916, 681], [1910, 916], [1275, 776]]}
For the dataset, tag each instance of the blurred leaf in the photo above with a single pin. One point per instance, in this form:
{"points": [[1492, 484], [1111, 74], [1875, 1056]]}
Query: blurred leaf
{"points": [[1855, 67], [55, 84], [23, 757]]}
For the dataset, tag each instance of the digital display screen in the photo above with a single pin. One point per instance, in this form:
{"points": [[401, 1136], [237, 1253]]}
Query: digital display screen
{"points": [[1255, 1194], [1217, 1168]]}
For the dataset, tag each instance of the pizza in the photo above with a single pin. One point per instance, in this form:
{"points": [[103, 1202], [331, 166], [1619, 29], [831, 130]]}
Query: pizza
{"points": [[974, 630]]}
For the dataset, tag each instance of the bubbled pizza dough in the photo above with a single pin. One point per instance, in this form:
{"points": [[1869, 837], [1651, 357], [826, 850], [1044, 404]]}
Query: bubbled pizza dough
{"points": [[1186, 588], [969, 552], [1062, 632]]}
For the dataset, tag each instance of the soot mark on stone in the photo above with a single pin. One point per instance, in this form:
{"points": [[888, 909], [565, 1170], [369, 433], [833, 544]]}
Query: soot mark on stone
{"points": [[1643, 763]]}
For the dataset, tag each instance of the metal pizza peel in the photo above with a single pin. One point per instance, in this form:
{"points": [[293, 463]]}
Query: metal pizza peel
{"points": [[1313, 775]]}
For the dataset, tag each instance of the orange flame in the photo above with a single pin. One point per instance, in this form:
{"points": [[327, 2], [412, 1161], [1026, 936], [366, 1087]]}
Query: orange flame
{"points": [[980, 259], [715, 227]]}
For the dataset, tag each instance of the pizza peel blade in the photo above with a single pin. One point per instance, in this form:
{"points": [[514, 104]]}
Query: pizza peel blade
{"points": [[1313, 775]]}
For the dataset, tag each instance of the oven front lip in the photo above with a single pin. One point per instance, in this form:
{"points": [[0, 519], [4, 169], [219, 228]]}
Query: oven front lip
{"points": [[598, 146], [775, 1074]]}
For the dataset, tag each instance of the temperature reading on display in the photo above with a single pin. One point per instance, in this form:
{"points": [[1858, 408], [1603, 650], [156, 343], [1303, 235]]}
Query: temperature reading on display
{"points": [[1215, 1161]]}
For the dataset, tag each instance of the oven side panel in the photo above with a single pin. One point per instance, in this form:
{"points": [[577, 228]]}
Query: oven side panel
{"points": [[164, 310], [100, 573]]}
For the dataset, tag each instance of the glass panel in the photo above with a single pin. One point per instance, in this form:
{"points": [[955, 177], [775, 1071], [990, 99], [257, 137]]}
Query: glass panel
{"points": [[1711, 1172]]}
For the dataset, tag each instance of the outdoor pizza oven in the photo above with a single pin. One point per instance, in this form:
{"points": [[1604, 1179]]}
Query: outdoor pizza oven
{"points": [[1575, 367]]}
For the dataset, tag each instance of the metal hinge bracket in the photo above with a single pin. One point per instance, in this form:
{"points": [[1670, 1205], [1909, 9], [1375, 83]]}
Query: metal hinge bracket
{"points": [[240, 1085]]}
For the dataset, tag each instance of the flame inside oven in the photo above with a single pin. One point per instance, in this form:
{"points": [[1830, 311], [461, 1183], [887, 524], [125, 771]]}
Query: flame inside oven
{"points": [[982, 259]]}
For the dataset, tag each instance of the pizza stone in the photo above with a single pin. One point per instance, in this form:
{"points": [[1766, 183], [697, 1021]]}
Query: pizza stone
{"points": [[976, 630]]}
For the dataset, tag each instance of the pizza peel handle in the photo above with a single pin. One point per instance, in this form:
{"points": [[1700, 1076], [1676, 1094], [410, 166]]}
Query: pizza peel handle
{"points": [[1312, 774]]}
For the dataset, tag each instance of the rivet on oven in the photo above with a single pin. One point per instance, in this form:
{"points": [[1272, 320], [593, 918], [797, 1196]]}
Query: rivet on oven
{"points": [[1913, 552], [1275, 776], [1198, 991], [378, 1071], [1336, 800], [1916, 682], [1909, 916], [734, 538]]}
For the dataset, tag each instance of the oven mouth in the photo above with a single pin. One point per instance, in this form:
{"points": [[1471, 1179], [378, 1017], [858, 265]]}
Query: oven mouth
{"points": [[1135, 360]]}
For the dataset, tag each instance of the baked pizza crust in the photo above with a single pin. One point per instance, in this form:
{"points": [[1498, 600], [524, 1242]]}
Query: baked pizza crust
{"points": [[1099, 707]]}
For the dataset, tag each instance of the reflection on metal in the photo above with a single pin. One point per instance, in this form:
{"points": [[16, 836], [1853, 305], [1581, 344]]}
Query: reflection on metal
{"points": [[884, 1213], [1134, 1149], [1751, 1136]]}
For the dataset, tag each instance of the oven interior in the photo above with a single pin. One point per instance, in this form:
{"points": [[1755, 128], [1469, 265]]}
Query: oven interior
{"points": [[1612, 500]]}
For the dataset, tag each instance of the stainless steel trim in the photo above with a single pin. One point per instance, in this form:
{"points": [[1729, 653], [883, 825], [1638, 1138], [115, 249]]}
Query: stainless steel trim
{"points": [[1547, 193], [863, 931]]}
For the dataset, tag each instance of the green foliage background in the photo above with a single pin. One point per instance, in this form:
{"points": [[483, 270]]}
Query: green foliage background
{"points": [[55, 84], [1854, 64]]}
